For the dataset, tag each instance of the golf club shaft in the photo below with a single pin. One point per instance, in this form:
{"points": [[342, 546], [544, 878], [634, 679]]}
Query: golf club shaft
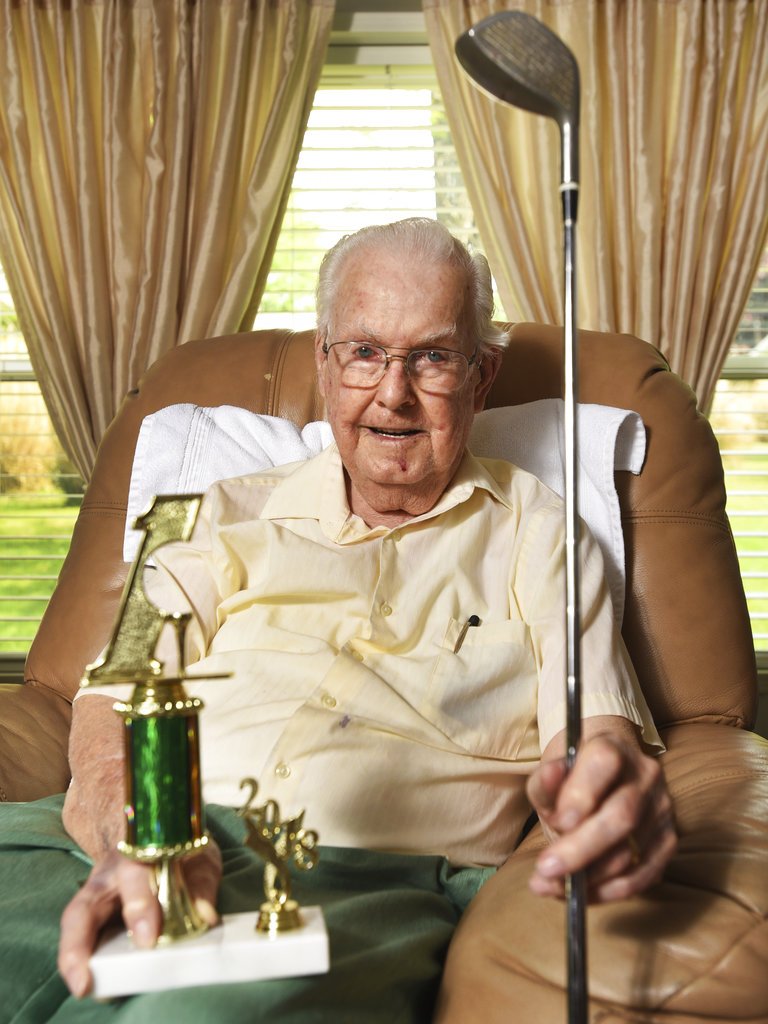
{"points": [[576, 888]]}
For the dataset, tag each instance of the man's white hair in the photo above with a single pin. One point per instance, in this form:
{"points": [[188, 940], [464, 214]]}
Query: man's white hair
{"points": [[427, 241]]}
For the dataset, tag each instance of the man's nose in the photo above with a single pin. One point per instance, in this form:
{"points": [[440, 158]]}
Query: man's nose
{"points": [[395, 388]]}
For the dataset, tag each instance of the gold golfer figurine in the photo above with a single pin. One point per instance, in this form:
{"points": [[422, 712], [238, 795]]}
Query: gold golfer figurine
{"points": [[278, 842]]}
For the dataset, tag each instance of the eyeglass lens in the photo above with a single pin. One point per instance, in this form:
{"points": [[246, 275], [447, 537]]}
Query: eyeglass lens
{"points": [[365, 365]]}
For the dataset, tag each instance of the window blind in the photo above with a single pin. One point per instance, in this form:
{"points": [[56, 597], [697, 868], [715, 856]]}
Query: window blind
{"points": [[377, 148], [40, 493], [739, 418]]}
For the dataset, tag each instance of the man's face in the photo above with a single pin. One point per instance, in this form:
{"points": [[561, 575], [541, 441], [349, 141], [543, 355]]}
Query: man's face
{"points": [[400, 445]]}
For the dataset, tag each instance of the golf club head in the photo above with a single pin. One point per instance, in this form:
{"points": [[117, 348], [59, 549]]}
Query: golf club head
{"points": [[517, 59]]}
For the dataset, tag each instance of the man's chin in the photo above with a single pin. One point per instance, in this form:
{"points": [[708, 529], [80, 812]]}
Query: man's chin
{"points": [[397, 471], [388, 488]]}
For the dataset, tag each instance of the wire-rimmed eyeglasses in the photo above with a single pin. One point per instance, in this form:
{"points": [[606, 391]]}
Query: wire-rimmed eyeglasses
{"points": [[438, 370]]}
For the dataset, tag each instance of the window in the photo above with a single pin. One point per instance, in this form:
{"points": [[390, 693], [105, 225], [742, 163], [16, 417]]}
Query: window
{"points": [[740, 420], [377, 148], [40, 493]]}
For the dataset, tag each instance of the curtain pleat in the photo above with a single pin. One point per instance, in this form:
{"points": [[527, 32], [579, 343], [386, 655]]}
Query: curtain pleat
{"points": [[673, 212], [146, 155]]}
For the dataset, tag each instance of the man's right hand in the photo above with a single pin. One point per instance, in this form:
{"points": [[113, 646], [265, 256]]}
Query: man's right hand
{"points": [[94, 816], [120, 886]]}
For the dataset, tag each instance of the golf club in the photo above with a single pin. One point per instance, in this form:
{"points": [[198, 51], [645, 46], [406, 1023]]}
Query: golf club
{"points": [[519, 60]]}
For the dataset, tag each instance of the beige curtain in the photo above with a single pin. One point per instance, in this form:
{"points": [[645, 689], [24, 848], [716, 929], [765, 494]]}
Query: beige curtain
{"points": [[146, 155], [673, 211]]}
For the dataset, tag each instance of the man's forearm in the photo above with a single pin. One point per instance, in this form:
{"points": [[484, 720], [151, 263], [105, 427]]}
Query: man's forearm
{"points": [[93, 807]]}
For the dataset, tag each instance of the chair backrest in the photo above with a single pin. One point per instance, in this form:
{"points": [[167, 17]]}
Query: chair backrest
{"points": [[686, 624]]}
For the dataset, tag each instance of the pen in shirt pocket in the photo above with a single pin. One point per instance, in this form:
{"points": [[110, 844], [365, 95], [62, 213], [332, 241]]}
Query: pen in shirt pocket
{"points": [[473, 620]]}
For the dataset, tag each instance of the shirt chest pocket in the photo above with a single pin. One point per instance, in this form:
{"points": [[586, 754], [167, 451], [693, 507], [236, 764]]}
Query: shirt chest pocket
{"points": [[483, 690]]}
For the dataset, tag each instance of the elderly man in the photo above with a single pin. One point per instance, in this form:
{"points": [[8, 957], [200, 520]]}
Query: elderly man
{"points": [[392, 612]]}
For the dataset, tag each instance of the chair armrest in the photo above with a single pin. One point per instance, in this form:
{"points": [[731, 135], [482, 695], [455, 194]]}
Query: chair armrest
{"points": [[693, 947], [34, 731]]}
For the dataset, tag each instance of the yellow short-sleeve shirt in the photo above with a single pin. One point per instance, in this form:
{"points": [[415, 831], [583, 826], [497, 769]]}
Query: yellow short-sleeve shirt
{"points": [[350, 696]]}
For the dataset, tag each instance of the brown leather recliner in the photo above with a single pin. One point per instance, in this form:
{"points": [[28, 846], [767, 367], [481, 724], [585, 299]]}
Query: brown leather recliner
{"points": [[696, 946]]}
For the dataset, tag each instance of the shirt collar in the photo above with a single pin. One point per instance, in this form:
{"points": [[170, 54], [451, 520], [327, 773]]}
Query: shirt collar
{"points": [[317, 490]]}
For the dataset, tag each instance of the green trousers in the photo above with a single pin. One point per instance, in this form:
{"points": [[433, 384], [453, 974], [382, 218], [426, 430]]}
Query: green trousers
{"points": [[390, 918]]}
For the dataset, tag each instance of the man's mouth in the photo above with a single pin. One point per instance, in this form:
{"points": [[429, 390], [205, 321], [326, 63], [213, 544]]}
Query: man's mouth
{"points": [[387, 432]]}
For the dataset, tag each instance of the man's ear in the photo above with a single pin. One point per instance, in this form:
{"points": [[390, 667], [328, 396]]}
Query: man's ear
{"points": [[489, 367], [321, 363]]}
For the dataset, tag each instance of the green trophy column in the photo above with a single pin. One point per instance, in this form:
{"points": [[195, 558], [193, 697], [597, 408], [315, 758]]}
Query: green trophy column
{"points": [[164, 803]]}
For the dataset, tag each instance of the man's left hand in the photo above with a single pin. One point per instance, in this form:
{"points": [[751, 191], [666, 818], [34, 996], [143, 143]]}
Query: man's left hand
{"points": [[611, 815]]}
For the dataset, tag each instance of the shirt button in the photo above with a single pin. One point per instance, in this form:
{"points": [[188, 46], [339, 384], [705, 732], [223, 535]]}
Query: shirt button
{"points": [[282, 771], [396, 535], [386, 609], [357, 655], [329, 701]]}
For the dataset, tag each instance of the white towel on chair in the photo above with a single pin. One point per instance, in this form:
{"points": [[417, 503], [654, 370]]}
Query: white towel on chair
{"points": [[183, 449], [532, 437]]}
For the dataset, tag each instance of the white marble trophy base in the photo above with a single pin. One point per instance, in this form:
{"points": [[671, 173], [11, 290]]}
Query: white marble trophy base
{"points": [[233, 951]]}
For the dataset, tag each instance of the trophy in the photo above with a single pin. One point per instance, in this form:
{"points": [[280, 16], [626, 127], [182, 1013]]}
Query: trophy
{"points": [[164, 811], [278, 842]]}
